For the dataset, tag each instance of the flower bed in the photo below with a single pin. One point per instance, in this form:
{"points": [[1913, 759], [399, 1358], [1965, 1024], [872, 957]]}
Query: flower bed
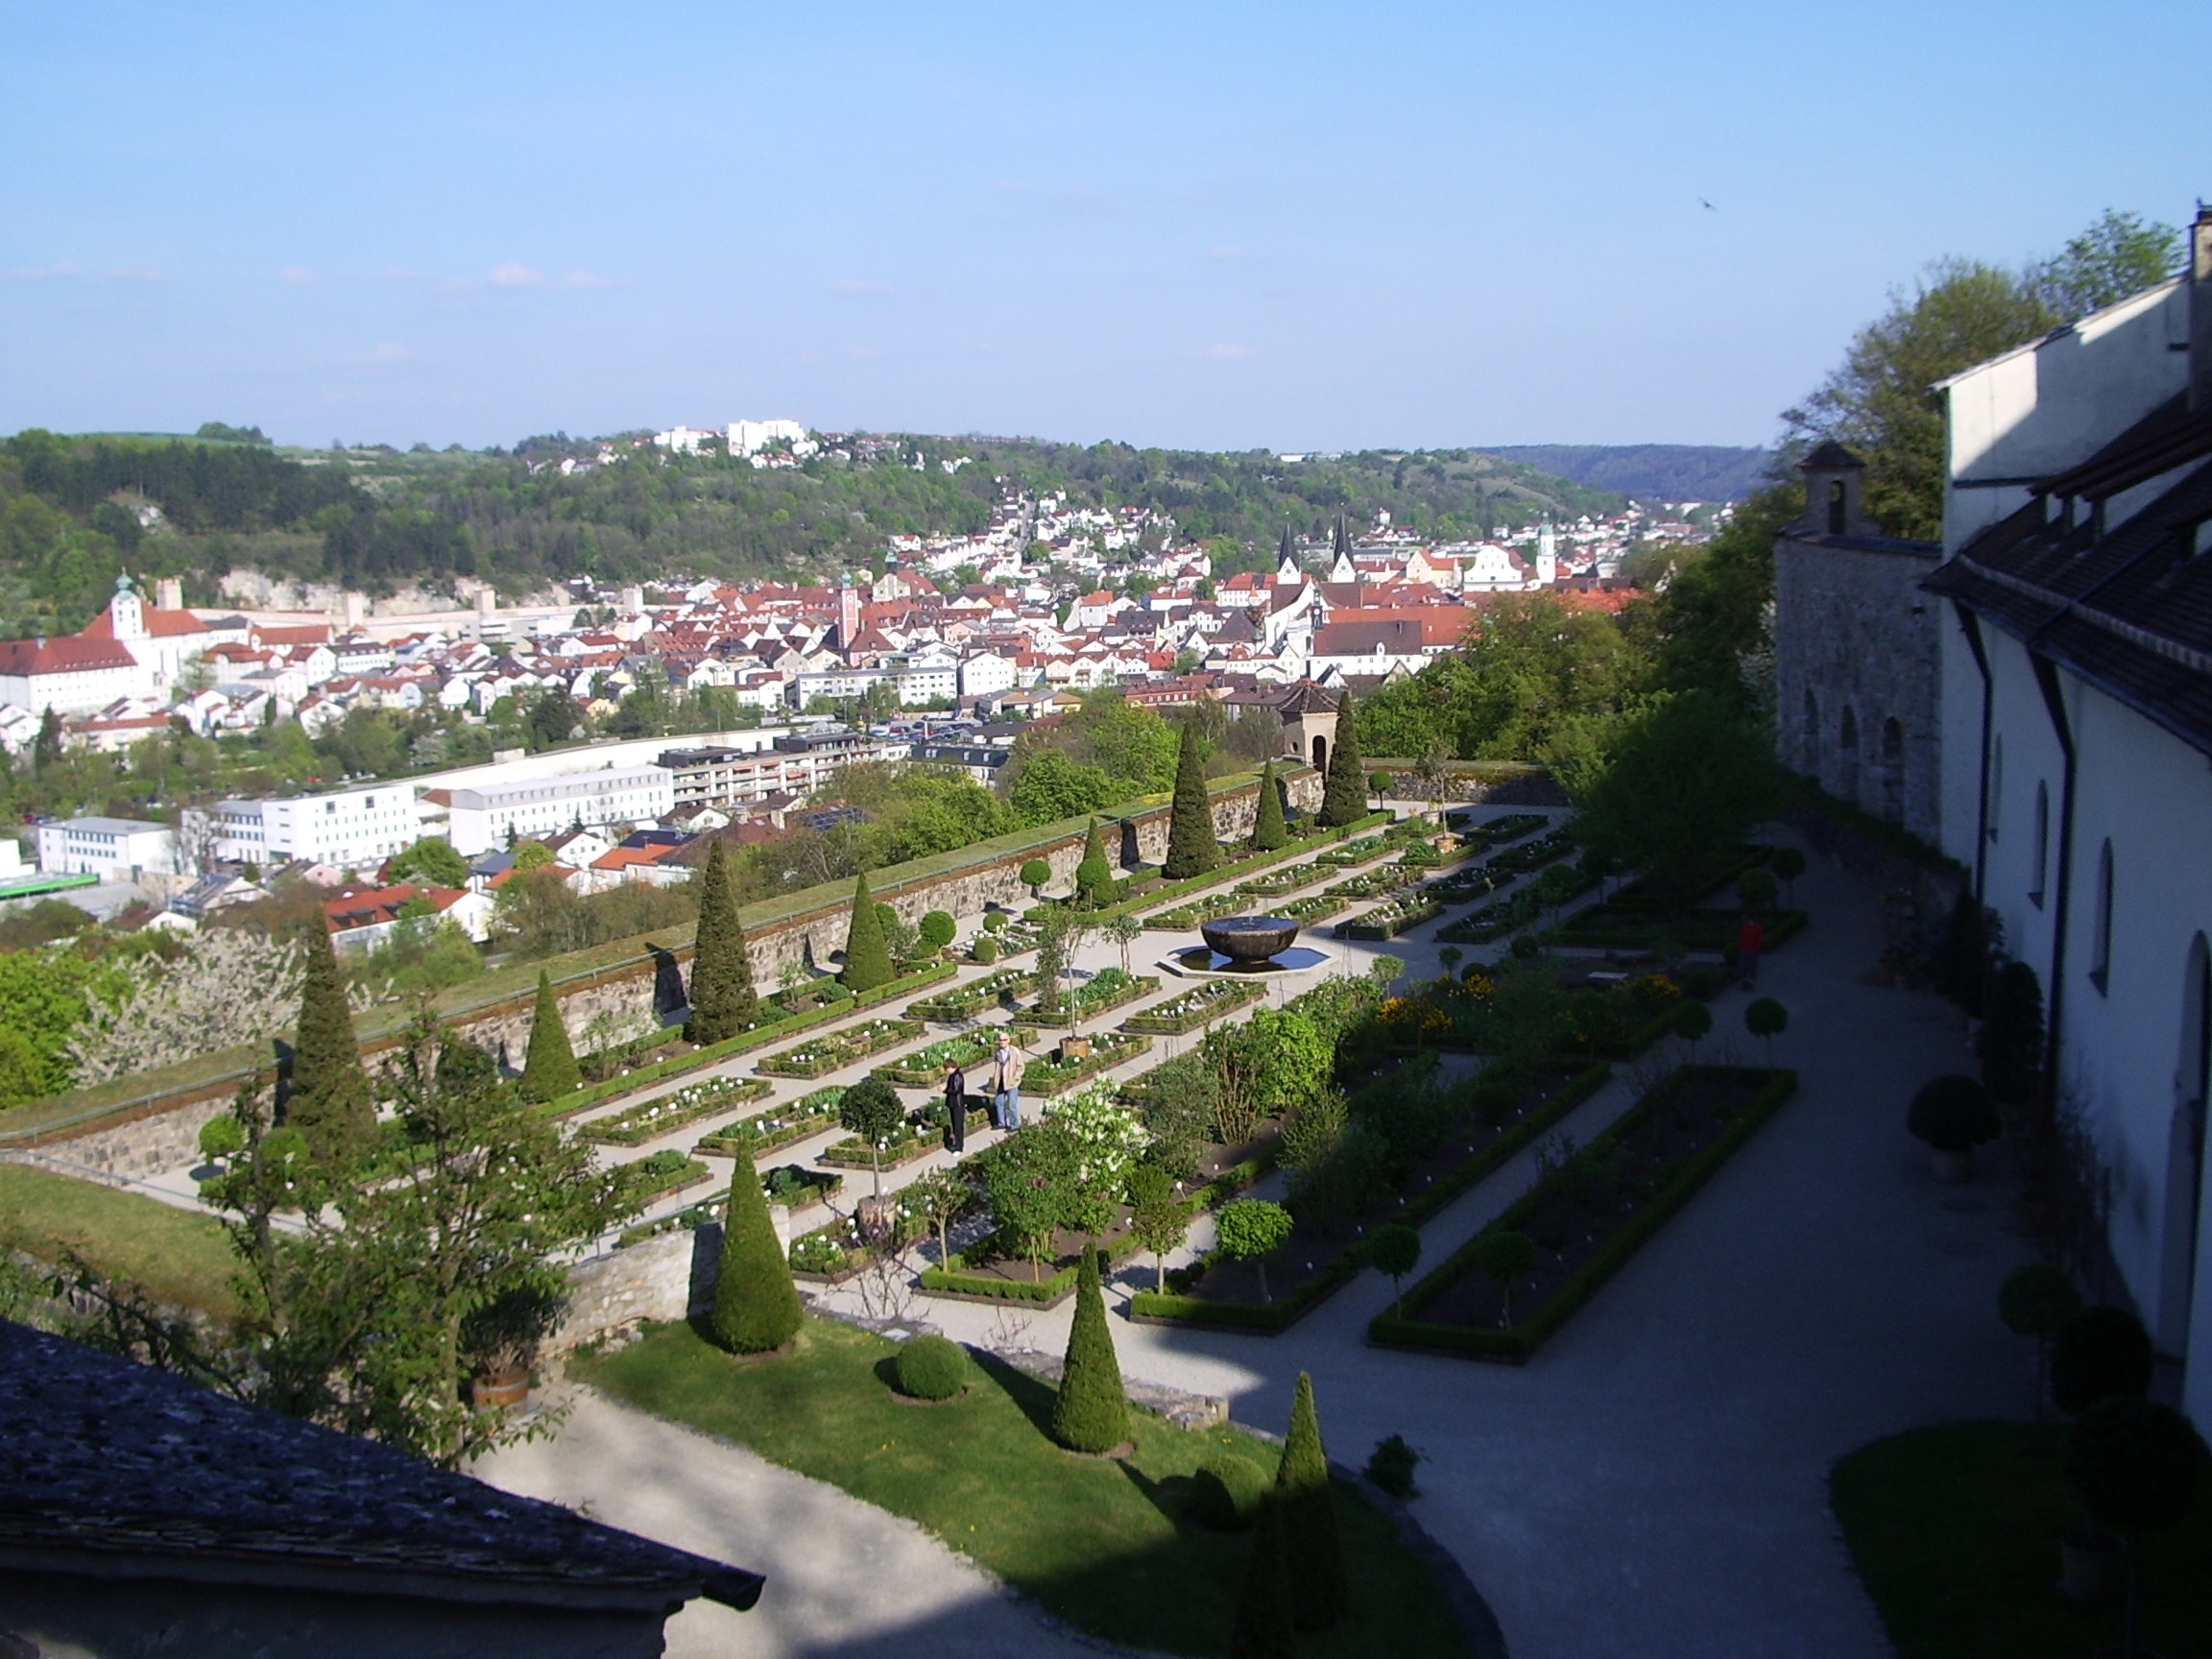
{"points": [[924, 1067], [836, 1049], [808, 1116], [1534, 855], [1602, 926], [1644, 894], [1047, 1076], [1375, 884], [1332, 1261], [1281, 881], [912, 1139], [1500, 831], [788, 1183], [1462, 885], [1193, 1008], [657, 1175], [1184, 917], [1517, 909], [1318, 907], [567, 1105], [970, 1001], [1590, 1215], [835, 1251], [665, 1114], [1388, 920], [1360, 851], [1108, 988]]}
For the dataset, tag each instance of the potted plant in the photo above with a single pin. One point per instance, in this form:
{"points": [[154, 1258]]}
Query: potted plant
{"points": [[501, 1340], [2135, 1464], [1953, 1115]]}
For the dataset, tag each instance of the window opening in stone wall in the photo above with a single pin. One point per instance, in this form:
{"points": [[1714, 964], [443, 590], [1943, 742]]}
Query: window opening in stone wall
{"points": [[2101, 946], [2042, 844], [1836, 507], [1847, 740]]}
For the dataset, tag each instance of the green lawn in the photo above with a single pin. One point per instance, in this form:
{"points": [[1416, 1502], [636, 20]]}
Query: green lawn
{"points": [[1103, 1545], [178, 1256], [1956, 1531]]}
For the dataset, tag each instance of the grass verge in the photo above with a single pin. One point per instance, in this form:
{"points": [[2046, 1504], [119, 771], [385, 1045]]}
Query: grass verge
{"points": [[1955, 1530], [178, 1256], [1103, 1545]]}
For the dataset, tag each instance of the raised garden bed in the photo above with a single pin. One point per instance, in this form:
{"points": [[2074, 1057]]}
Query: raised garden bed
{"points": [[1381, 883], [1644, 894], [792, 1185], [1388, 920], [1195, 1007], [654, 1177], [1109, 988], [839, 1049], [1049, 1077], [1604, 926], [969, 1000], [1184, 917], [924, 1067], [665, 1114], [1315, 1262], [1589, 1215], [1516, 911], [1356, 852], [1276, 882], [1500, 831], [808, 1116], [1319, 908], [1223, 1172]]}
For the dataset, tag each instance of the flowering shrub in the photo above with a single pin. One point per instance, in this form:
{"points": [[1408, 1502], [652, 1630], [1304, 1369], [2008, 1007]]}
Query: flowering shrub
{"points": [[232, 985], [1653, 992], [1105, 1137]]}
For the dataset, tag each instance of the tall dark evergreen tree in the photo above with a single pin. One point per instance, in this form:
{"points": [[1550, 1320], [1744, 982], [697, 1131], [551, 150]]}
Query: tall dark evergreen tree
{"points": [[1091, 1413], [331, 1102], [1268, 830], [1344, 795], [1192, 848], [1264, 1628], [867, 956], [757, 1307], [723, 1000], [1094, 875], [1320, 1593], [46, 749], [549, 1069]]}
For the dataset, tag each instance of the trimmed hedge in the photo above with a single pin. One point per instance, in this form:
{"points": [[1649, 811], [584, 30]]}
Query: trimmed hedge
{"points": [[665, 1113], [1780, 926], [1167, 1308], [1046, 1078], [1080, 1007], [888, 1034], [744, 1042], [1169, 890], [1212, 997], [1517, 1344]]}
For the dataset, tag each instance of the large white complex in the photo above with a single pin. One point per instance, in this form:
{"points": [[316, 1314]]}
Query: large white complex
{"points": [[107, 847], [346, 829], [488, 815]]}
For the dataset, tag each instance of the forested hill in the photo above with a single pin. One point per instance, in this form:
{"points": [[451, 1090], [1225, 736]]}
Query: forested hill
{"points": [[1650, 472], [74, 512]]}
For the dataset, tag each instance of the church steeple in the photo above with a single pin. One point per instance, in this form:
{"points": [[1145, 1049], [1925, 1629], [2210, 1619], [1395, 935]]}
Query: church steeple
{"points": [[1287, 560]]}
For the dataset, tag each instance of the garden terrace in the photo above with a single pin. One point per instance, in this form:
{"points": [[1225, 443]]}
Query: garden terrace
{"points": [[179, 1258], [914, 1137], [1159, 893], [924, 1067], [1108, 1547], [1193, 1008], [833, 1049], [1326, 1248], [1108, 988], [665, 1113], [1588, 1216], [1049, 1075], [953, 1006], [805, 1118]]}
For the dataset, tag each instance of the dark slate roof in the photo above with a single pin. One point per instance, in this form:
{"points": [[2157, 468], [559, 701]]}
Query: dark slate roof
{"points": [[1306, 698], [2129, 611], [1850, 543], [114, 1467]]}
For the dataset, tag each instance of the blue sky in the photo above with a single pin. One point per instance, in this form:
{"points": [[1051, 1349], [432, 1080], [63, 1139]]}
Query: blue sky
{"points": [[1223, 225]]}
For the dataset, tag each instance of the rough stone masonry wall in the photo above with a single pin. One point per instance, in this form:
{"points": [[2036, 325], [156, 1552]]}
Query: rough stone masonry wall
{"points": [[1853, 630]]}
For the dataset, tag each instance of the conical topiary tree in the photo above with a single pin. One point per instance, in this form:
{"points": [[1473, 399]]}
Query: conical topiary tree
{"points": [[1319, 1590], [756, 1305], [1268, 830], [1091, 1413], [723, 1000], [1344, 795], [866, 957], [1192, 848], [331, 1102], [549, 1069], [1264, 1628], [1094, 875]]}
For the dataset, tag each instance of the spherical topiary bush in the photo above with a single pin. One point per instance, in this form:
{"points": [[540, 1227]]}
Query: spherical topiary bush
{"points": [[984, 950], [2098, 1353], [932, 1368], [1226, 1493], [1953, 1114], [994, 920]]}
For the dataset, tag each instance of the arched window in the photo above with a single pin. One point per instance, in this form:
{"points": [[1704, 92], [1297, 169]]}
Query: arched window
{"points": [[2042, 844], [1836, 507], [1320, 754], [2101, 943]]}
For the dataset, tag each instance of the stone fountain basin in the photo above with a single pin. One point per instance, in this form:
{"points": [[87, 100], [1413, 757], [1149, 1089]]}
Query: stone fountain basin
{"points": [[1249, 938]]}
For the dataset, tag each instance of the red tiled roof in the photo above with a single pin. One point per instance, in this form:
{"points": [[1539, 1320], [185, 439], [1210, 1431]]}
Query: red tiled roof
{"points": [[71, 653]]}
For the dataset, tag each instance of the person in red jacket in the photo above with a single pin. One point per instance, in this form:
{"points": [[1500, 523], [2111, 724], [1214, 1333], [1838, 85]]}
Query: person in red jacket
{"points": [[1750, 940]]}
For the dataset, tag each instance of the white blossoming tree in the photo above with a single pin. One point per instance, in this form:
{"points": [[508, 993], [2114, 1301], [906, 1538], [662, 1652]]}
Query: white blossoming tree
{"points": [[1105, 1139], [232, 985]]}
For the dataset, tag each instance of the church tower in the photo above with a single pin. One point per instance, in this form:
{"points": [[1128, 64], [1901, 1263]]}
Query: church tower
{"points": [[126, 612], [1547, 554]]}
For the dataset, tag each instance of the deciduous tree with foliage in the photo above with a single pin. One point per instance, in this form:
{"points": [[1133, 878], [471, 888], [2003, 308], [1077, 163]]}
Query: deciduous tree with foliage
{"points": [[430, 862], [1251, 1230], [1159, 1216], [871, 1109], [1191, 847], [549, 1069], [867, 956], [723, 999]]}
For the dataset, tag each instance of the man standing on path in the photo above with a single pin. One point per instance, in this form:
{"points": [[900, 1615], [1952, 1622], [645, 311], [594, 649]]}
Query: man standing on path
{"points": [[955, 1107], [1750, 940], [1007, 1084]]}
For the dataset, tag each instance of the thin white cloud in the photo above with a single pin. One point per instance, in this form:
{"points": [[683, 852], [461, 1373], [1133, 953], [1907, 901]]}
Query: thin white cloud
{"points": [[126, 273], [1226, 353], [296, 274], [513, 275], [584, 280], [41, 274]]}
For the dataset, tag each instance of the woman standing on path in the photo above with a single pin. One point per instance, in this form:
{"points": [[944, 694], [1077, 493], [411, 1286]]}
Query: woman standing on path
{"points": [[955, 1107]]}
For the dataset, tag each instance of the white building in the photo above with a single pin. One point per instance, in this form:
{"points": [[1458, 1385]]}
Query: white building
{"points": [[70, 675], [489, 815], [2075, 731], [751, 437], [926, 678], [983, 674], [346, 829], [106, 847]]}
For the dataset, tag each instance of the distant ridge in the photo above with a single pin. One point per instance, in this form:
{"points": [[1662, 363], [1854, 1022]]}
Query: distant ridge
{"points": [[1653, 471]]}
